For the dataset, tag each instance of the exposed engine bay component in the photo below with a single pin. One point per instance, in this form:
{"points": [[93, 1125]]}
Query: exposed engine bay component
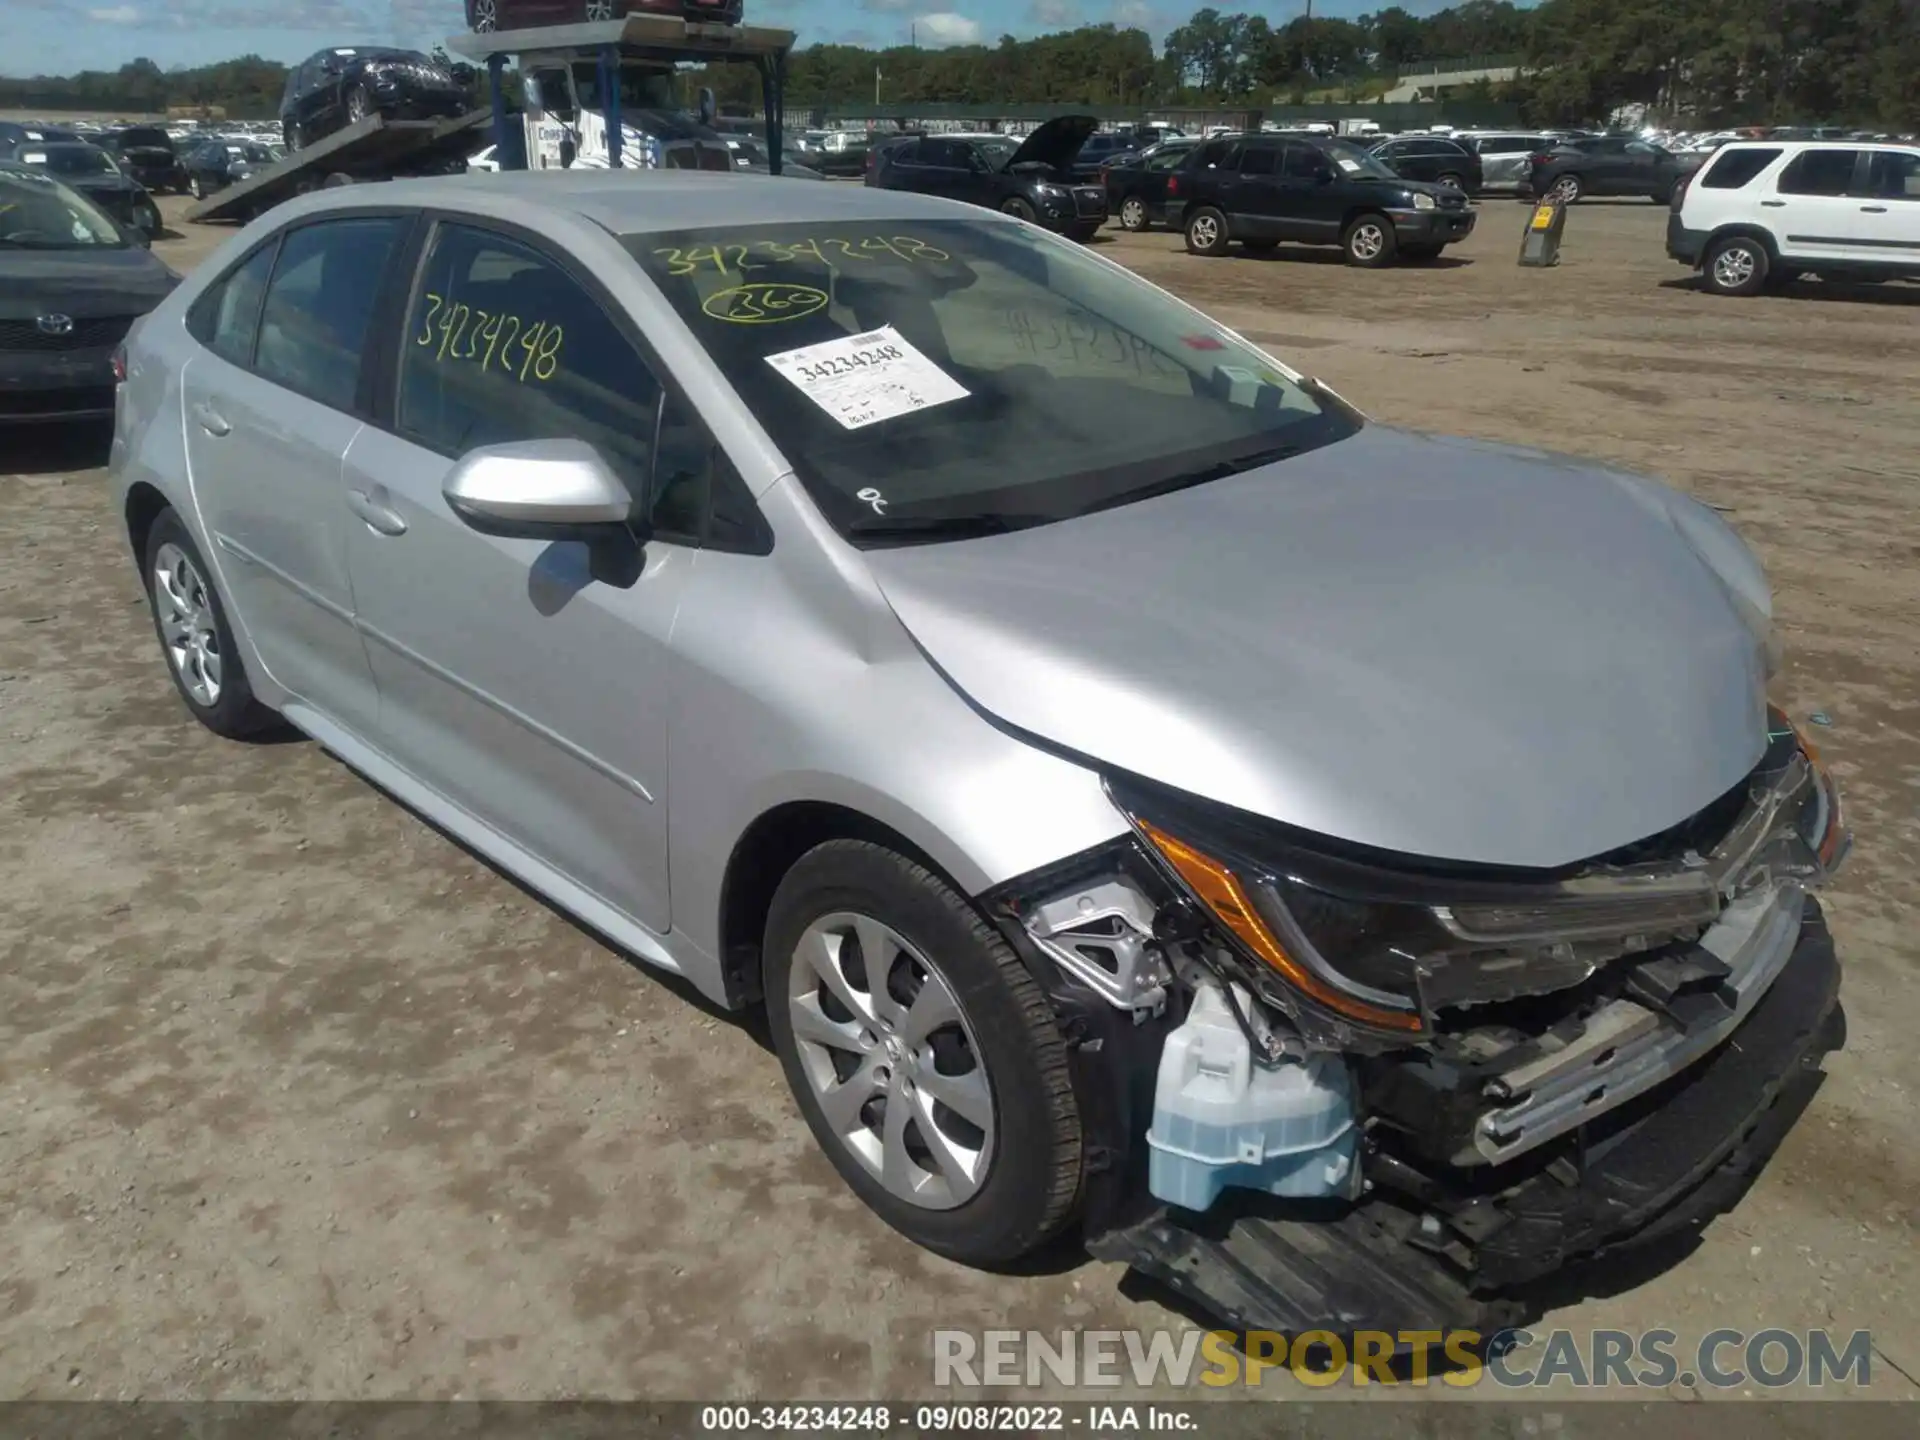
{"points": [[1221, 1119], [1103, 933]]}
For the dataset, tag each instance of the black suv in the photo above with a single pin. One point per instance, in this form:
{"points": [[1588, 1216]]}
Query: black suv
{"points": [[146, 152], [1314, 190], [1609, 165], [340, 87], [1435, 158], [1137, 183], [1032, 179]]}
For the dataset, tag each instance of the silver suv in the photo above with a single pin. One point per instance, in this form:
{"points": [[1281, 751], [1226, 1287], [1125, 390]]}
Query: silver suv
{"points": [[1134, 784]]}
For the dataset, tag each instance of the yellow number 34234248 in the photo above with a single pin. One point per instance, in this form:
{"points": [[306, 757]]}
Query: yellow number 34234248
{"points": [[455, 331]]}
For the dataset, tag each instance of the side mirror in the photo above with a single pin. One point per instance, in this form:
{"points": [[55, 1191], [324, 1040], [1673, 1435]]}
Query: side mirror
{"points": [[539, 490], [709, 107]]}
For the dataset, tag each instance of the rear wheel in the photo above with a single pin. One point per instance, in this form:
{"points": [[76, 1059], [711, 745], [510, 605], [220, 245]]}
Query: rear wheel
{"points": [[359, 104], [1737, 265], [290, 132], [195, 636], [1567, 189], [1133, 214], [1369, 241], [922, 1053], [483, 16], [1207, 232], [600, 9], [1455, 181]]}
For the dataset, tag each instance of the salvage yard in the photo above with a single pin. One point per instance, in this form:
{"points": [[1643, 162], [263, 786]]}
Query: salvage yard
{"points": [[297, 1098]]}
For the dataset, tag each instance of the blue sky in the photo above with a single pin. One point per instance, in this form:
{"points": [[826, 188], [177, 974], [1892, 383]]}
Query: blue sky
{"points": [[61, 36]]}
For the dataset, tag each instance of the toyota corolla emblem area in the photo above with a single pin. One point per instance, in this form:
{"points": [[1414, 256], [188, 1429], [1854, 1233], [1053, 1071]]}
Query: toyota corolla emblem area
{"points": [[54, 324]]}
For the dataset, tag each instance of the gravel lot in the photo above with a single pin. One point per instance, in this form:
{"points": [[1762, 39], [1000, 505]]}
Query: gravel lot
{"points": [[298, 1099]]}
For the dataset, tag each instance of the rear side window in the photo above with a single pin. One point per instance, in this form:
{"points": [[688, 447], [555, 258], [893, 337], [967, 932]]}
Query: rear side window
{"points": [[1819, 172], [1893, 175], [225, 318], [1209, 155], [313, 326], [1733, 169], [907, 152]]}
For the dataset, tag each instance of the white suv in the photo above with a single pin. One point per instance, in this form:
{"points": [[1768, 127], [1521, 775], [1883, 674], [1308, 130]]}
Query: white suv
{"points": [[1762, 213]]}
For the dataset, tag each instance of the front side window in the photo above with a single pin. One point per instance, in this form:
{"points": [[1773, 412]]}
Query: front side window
{"points": [[504, 345], [74, 160], [1819, 172], [1259, 160], [37, 212], [1167, 160], [313, 324], [920, 372]]}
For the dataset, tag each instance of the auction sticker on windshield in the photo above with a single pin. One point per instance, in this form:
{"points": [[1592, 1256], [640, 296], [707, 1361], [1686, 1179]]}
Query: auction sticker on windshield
{"points": [[861, 380]]}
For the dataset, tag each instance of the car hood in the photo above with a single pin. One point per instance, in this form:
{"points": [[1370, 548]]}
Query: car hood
{"points": [[1437, 647], [102, 281], [1055, 143]]}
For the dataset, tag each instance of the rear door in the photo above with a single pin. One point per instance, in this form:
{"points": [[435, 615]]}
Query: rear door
{"points": [[1813, 211], [272, 402], [1258, 206], [1152, 179], [1887, 220]]}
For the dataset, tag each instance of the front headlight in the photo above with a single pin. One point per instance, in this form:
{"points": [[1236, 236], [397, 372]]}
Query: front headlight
{"points": [[1424, 202], [1050, 192]]}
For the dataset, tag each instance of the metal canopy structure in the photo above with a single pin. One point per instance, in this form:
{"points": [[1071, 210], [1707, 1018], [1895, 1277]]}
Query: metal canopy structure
{"points": [[664, 39]]}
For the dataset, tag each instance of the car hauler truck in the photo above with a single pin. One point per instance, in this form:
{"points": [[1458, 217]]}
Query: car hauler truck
{"points": [[599, 94]]}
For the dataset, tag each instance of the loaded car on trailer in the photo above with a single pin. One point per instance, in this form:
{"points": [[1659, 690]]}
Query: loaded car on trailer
{"points": [[1343, 872]]}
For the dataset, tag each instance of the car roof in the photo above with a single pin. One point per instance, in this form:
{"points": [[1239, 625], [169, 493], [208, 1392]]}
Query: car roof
{"points": [[1837, 143], [643, 202]]}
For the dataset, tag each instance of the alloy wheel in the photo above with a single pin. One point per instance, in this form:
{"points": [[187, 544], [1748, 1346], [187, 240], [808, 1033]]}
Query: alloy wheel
{"points": [[1566, 189], [1206, 232], [599, 9], [892, 1060], [187, 625], [1733, 267], [358, 105], [1368, 240], [486, 18]]}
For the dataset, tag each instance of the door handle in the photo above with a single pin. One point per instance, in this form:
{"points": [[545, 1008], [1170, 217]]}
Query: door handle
{"points": [[1873, 209], [211, 420], [1773, 204], [379, 517]]}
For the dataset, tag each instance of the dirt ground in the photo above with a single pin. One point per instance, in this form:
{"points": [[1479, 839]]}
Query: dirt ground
{"points": [[299, 1099]]}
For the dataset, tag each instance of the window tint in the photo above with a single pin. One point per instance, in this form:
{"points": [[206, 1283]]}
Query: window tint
{"points": [[1259, 160], [1732, 169], [907, 152], [313, 326], [503, 345], [224, 319], [1819, 172], [947, 154], [1168, 160], [1304, 162], [1893, 175], [1211, 154]]}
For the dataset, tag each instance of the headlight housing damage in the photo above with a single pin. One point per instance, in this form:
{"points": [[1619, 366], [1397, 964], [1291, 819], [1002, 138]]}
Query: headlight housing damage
{"points": [[1363, 951]]}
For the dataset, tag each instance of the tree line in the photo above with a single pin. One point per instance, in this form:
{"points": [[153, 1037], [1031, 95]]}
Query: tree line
{"points": [[1707, 62]]}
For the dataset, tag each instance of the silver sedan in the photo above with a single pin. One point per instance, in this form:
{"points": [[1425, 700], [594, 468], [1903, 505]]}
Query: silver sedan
{"points": [[1018, 681]]}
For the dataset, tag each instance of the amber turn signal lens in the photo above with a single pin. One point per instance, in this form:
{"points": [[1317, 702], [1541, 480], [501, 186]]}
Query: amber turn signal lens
{"points": [[1219, 889]]}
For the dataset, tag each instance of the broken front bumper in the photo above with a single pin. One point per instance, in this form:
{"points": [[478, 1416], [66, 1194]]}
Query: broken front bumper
{"points": [[1448, 1250]]}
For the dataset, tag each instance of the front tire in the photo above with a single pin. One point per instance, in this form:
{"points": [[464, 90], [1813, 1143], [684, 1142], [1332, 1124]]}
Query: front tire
{"points": [[1737, 265], [1369, 242], [1019, 209], [1133, 215], [1567, 190], [191, 623], [1207, 232], [922, 1053]]}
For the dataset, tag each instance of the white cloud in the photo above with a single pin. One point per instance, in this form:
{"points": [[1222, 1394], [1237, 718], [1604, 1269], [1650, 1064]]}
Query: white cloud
{"points": [[1134, 12], [943, 27], [1055, 14], [117, 15]]}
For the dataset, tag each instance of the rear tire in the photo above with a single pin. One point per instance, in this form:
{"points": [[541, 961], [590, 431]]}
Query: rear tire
{"points": [[290, 132], [1369, 241], [196, 639], [1206, 231], [1737, 265], [1567, 189], [359, 104], [1133, 215], [1455, 181], [856, 1040], [197, 190]]}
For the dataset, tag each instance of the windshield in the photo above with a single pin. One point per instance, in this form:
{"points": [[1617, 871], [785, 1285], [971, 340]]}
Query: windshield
{"points": [[39, 213], [151, 139], [641, 88], [998, 151], [1356, 163], [916, 372], [71, 160]]}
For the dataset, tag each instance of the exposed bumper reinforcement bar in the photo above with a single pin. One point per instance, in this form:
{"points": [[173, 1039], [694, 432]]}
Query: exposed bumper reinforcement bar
{"points": [[1662, 1166]]}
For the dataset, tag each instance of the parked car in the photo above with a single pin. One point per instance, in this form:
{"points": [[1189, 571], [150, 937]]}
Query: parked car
{"points": [[845, 153], [487, 15], [335, 88], [1607, 165], [92, 171], [1762, 214], [1031, 179], [1137, 183], [1433, 158], [1100, 151], [1506, 160], [147, 153], [1258, 190], [1095, 766], [72, 282], [215, 164], [14, 135]]}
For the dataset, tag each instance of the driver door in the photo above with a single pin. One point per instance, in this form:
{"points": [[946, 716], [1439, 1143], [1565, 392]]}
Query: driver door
{"points": [[518, 680]]}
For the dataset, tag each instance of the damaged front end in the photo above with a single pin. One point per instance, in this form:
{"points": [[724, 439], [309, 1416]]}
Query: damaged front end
{"points": [[1326, 1088]]}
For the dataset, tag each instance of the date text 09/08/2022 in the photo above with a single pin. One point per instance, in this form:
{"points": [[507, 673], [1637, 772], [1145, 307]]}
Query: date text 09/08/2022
{"points": [[1089, 1419]]}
